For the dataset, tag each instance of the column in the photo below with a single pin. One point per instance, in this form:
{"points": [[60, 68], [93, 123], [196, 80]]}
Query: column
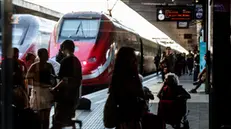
{"points": [[6, 88], [221, 93]]}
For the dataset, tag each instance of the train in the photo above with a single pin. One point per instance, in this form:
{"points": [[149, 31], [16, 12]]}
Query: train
{"points": [[29, 33], [97, 38]]}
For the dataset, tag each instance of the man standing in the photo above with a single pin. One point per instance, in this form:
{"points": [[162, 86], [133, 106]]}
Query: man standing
{"points": [[71, 74], [190, 59], [196, 65], [170, 60], [157, 63]]}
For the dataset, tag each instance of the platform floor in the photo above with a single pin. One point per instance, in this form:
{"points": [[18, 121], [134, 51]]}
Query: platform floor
{"points": [[198, 105]]}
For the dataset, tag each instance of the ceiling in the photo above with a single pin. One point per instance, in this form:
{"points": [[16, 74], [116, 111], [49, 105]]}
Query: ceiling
{"points": [[147, 9]]}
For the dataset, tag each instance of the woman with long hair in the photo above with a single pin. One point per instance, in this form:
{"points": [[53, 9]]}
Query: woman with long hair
{"points": [[127, 89], [41, 99]]}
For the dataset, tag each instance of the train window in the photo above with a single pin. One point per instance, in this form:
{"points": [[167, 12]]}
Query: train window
{"points": [[79, 29], [17, 35], [43, 40]]}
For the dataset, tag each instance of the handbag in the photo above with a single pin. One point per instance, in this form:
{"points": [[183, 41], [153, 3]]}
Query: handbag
{"points": [[110, 112]]}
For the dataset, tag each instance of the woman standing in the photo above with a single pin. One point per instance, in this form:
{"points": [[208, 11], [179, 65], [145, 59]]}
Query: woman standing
{"points": [[127, 89], [41, 98]]}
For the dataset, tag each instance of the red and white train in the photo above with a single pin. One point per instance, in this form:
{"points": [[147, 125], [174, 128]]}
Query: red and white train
{"points": [[97, 38]]}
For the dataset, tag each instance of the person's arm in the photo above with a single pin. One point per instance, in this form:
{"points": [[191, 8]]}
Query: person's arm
{"points": [[30, 74], [61, 69], [60, 75], [160, 92], [24, 65]]}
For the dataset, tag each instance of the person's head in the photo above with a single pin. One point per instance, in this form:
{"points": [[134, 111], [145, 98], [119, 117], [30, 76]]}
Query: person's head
{"points": [[189, 51], [164, 54], [16, 53], [126, 60], [205, 57], [168, 50], [68, 47], [30, 57], [171, 80], [126, 68], [43, 55]]}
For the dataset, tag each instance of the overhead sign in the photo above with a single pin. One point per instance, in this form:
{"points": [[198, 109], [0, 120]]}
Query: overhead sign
{"points": [[199, 12], [182, 25], [174, 13]]}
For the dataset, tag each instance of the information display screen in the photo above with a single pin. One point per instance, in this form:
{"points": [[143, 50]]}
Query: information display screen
{"points": [[175, 13]]}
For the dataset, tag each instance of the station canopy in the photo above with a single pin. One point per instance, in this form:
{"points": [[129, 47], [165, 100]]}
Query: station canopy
{"points": [[120, 11]]}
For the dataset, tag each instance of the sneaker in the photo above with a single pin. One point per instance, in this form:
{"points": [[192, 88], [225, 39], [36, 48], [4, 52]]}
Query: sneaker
{"points": [[196, 83], [193, 91]]}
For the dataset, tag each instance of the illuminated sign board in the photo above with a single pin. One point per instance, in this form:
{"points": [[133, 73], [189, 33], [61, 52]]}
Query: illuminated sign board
{"points": [[174, 13], [199, 12], [182, 25]]}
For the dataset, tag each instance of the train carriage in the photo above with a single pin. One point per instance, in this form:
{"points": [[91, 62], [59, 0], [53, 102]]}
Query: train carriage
{"points": [[97, 39]]}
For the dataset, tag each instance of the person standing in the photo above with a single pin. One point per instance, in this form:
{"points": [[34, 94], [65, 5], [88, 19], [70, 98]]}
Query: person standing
{"points": [[190, 60], [157, 63], [70, 74], [170, 60], [196, 65]]}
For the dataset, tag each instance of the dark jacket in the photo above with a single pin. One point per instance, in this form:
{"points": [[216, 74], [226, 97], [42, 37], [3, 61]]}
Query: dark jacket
{"points": [[170, 62]]}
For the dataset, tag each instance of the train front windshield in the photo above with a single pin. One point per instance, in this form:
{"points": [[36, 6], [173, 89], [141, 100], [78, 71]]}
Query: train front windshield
{"points": [[83, 30], [18, 33]]}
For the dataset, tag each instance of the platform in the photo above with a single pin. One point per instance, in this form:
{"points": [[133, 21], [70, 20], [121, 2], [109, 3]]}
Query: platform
{"points": [[198, 105]]}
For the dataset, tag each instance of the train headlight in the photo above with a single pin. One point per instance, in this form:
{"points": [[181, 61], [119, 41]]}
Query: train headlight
{"points": [[84, 63]]}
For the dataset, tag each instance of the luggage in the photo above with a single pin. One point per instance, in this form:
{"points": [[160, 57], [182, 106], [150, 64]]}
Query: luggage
{"points": [[84, 104], [151, 121]]}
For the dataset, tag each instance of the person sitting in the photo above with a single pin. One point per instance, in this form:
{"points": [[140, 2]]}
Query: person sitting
{"points": [[172, 104], [201, 79]]}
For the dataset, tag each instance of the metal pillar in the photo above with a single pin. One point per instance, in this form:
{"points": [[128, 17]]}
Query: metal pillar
{"points": [[221, 93], [206, 39], [6, 88]]}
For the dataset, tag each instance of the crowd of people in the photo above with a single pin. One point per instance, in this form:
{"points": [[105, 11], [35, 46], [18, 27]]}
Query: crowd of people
{"points": [[181, 64], [38, 71], [125, 88]]}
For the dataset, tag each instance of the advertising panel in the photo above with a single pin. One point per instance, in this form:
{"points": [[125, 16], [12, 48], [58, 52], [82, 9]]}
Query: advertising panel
{"points": [[202, 53]]}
